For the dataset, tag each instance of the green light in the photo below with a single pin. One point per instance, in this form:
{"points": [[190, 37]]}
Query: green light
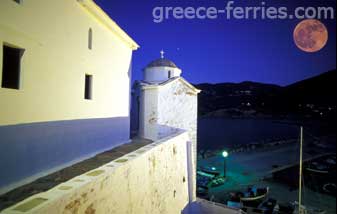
{"points": [[213, 168], [225, 154]]}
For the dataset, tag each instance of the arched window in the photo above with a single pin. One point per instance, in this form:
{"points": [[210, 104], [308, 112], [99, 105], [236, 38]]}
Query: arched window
{"points": [[90, 39], [170, 74], [18, 1]]}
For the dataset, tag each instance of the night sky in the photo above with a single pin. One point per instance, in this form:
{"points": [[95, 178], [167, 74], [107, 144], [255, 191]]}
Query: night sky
{"points": [[223, 50]]}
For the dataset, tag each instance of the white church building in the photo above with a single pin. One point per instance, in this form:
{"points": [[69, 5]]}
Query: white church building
{"points": [[164, 102]]}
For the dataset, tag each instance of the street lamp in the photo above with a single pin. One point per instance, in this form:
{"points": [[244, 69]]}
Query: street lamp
{"points": [[225, 154]]}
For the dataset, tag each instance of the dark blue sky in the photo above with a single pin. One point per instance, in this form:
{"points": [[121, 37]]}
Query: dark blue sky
{"points": [[223, 50]]}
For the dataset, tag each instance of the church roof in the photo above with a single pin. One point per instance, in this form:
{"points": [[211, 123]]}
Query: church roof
{"points": [[99, 14], [147, 85], [162, 63]]}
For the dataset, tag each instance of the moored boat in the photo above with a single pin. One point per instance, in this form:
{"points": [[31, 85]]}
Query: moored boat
{"points": [[255, 194], [316, 167]]}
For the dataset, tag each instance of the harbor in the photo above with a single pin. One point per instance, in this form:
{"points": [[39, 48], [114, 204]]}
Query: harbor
{"points": [[261, 168]]}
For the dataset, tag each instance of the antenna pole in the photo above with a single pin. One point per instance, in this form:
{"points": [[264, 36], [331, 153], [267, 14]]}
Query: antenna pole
{"points": [[301, 171]]}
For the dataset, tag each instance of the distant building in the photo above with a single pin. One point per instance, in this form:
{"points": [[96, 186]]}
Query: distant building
{"points": [[65, 86]]}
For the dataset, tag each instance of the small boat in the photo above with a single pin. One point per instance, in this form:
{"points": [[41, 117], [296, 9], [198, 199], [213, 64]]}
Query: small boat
{"points": [[209, 177], [269, 206], [219, 181], [317, 171], [255, 194], [252, 197], [210, 171], [330, 188], [316, 167]]}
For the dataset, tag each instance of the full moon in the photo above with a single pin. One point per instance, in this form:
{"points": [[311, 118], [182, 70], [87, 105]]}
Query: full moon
{"points": [[311, 35]]}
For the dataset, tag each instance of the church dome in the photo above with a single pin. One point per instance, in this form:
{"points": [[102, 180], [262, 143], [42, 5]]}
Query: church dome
{"points": [[162, 63], [161, 70]]}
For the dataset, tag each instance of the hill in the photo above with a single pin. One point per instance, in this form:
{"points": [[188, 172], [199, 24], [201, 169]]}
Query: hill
{"points": [[314, 97]]}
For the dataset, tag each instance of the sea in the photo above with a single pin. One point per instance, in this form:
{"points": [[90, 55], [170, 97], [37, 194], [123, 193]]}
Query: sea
{"points": [[220, 133]]}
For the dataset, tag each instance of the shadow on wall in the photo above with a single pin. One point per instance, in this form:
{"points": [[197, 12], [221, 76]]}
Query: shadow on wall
{"points": [[28, 150], [166, 131]]}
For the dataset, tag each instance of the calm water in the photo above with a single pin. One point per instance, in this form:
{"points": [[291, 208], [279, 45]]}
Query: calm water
{"points": [[219, 133]]}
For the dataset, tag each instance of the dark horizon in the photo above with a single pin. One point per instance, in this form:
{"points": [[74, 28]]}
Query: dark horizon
{"points": [[267, 83]]}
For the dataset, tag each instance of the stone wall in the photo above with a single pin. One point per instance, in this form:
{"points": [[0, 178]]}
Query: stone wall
{"points": [[178, 108], [153, 179]]}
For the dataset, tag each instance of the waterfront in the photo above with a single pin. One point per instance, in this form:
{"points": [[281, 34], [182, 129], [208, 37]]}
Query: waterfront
{"points": [[253, 166]]}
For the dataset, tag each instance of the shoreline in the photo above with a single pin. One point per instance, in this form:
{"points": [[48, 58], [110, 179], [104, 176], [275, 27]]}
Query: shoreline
{"points": [[253, 168]]}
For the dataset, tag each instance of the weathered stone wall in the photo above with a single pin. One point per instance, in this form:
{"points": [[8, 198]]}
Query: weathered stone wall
{"points": [[178, 108], [153, 179]]}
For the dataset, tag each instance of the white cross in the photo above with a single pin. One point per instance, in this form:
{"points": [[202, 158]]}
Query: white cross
{"points": [[162, 54]]}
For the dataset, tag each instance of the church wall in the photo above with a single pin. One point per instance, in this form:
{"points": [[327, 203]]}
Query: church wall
{"points": [[54, 35], [148, 115], [160, 74], [47, 123], [178, 108]]}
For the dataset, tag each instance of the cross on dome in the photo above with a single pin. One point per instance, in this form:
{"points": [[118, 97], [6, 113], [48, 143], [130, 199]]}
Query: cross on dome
{"points": [[162, 54]]}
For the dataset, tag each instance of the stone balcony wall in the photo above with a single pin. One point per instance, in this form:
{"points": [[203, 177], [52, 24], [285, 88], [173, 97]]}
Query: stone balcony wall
{"points": [[153, 179]]}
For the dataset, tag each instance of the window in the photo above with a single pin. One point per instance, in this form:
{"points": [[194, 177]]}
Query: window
{"points": [[88, 87], [18, 1], [11, 66], [170, 74], [90, 39]]}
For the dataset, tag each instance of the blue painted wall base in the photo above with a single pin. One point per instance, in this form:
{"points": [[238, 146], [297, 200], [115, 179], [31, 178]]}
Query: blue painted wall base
{"points": [[31, 149]]}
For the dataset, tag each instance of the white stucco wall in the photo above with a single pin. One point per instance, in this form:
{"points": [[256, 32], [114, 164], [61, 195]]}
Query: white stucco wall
{"points": [[54, 35], [168, 107], [148, 114], [178, 108], [153, 179], [160, 74]]}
